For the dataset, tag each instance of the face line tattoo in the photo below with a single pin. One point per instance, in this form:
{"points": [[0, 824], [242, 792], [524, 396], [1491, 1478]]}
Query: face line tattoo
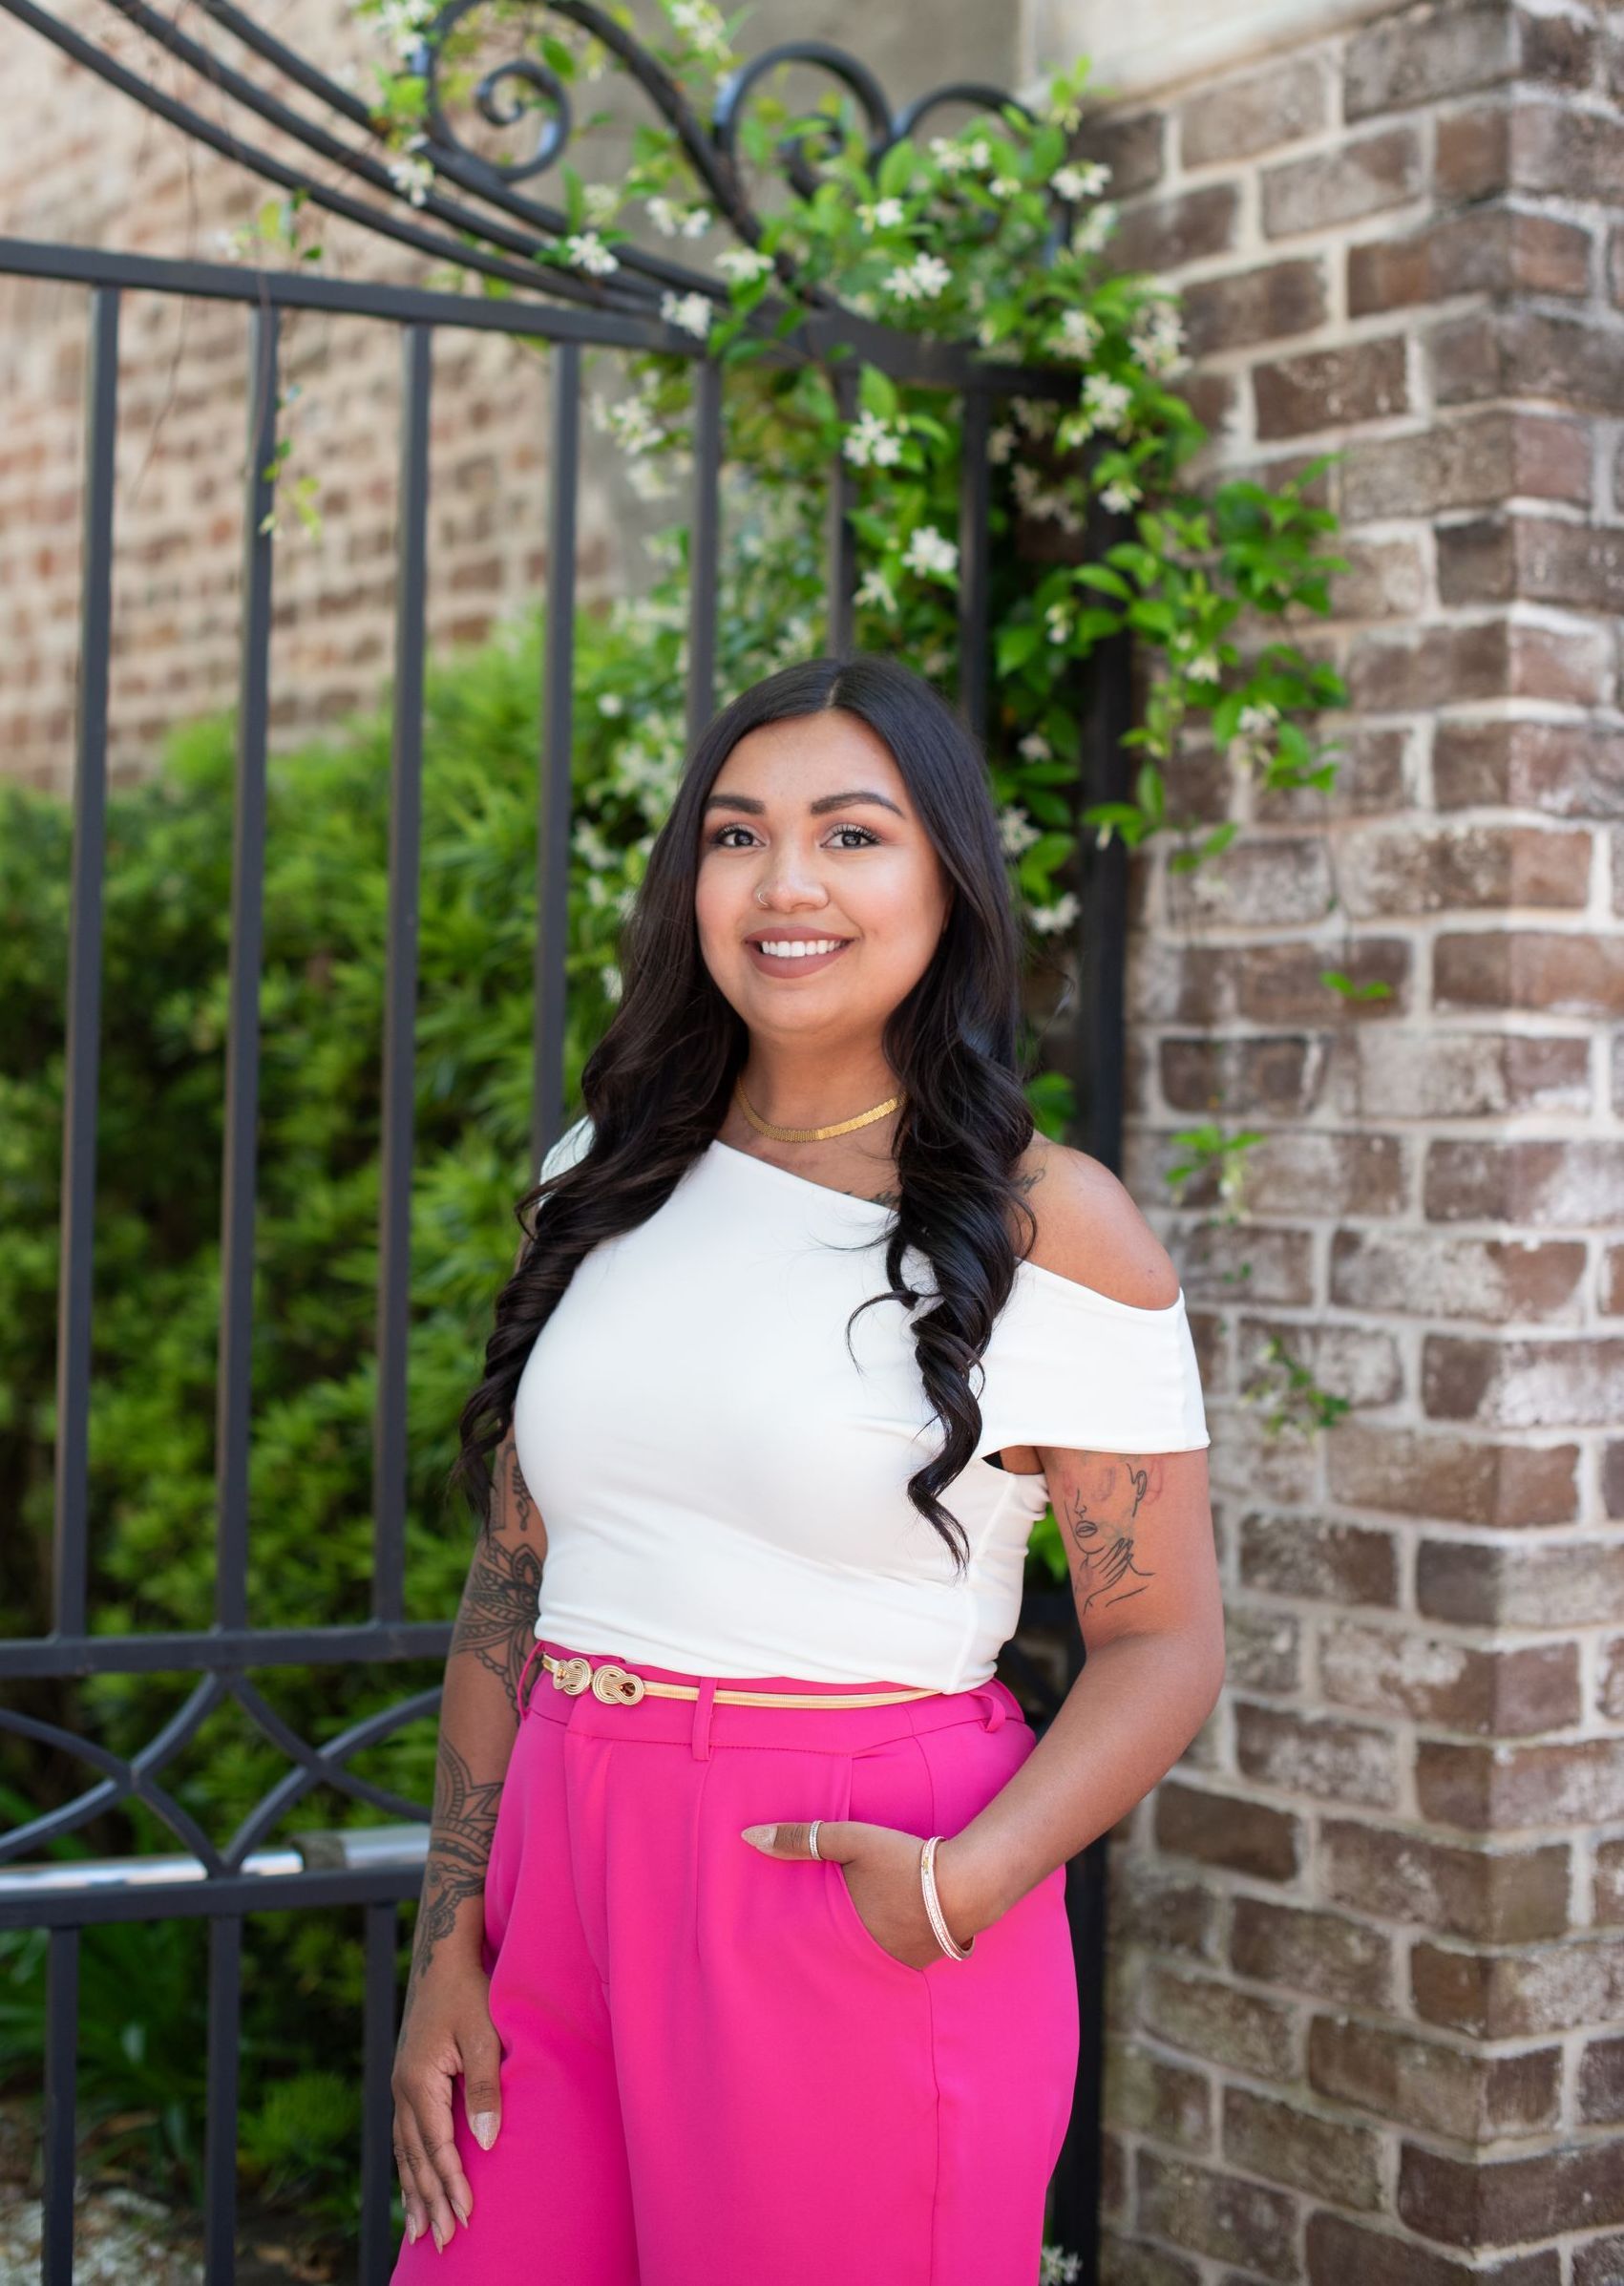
{"points": [[1114, 1562]]}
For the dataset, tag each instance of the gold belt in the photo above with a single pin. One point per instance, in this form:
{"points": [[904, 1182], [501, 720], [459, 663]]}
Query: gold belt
{"points": [[619, 1686]]}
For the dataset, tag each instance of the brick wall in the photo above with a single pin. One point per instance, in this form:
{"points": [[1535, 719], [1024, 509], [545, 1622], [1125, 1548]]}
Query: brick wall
{"points": [[1367, 1996]]}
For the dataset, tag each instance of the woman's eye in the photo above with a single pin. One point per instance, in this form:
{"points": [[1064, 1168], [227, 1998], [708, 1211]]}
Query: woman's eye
{"points": [[718, 839]]}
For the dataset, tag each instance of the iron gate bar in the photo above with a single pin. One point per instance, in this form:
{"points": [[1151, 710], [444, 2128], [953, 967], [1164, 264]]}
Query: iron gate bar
{"points": [[974, 495], [221, 1650], [398, 1088], [704, 545], [904, 357], [841, 543], [555, 804], [233, 1407], [82, 1046]]}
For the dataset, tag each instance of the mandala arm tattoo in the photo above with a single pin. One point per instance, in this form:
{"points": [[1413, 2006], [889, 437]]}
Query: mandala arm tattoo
{"points": [[493, 1635], [1099, 1519]]}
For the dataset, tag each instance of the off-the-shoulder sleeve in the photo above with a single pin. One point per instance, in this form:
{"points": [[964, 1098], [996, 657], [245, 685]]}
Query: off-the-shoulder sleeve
{"points": [[1069, 1366], [572, 1144]]}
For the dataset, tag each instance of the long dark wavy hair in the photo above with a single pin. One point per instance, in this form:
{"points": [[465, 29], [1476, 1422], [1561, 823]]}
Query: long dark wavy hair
{"points": [[657, 1084]]}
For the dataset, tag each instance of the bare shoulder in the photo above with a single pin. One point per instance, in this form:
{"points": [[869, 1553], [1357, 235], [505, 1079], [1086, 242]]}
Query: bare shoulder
{"points": [[1090, 1229]]}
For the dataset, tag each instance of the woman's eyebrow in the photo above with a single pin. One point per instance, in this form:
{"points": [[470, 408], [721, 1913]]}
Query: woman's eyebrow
{"points": [[826, 801]]}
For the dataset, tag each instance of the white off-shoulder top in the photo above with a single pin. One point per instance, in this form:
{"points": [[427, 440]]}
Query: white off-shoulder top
{"points": [[724, 1484]]}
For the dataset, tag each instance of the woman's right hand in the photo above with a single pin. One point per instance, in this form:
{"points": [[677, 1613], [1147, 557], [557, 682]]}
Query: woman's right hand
{"points": [[447, 2030]]}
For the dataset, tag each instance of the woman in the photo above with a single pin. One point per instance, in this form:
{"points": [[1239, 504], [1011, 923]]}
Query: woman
{"points": [[753, 1958]]}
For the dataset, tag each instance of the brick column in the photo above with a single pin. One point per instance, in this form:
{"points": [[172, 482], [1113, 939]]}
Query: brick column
{"points": [[1367, 1993]]}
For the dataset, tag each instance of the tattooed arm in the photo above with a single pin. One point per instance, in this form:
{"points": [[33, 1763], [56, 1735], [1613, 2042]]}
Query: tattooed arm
{"points": [[478, 1717], [1138, 1533]]}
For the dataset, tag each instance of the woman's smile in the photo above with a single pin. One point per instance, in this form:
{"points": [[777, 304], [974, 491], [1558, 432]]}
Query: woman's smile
{"points": [[792, 952]]}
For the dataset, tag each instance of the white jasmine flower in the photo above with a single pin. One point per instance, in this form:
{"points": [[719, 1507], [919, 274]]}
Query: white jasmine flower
{"points": [[611, 703], [1120, 496], [647, 480], [1094, 230], [1204, 668], [1035, 747], [1058, 618], [1157, 338], [1085, 180], [885, 213], [920, 280], [1080, 334], [929, 552], [612, 986], [585, 250], [1005, 186], [950, 157], [743, 264], [873, 442], [874, 589], [690, 314], [412, 178], [673, 221], [600, 201], [1050, 919], [1016, 831], [702, 25], [1000, 443], [1108, 402]]}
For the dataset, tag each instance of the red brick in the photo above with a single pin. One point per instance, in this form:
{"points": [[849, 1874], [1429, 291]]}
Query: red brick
{"points": [[1561, 972], [1427, 2084], [1328, 188], [1488, 250], [1563, 150], [1286, 2144], [1430, 1274], [1343, 1563], [1314, 1754], [1577, 1182], [1521, 1383], [1216, 2215], [1601, 2081], [1240, 116], [1144, 2094], [1527, 354], [1463, 1481], [1568, 769], [1441, 1074], [1541, 559], [1497, 1789], [1501, 1692], [1164, 234], [1345, 2254], [1578, 1585], [1508, 1995], [1496, 2203], [1240, 2030], [1496, 1896], [1312, 1952], [1329, 389], [1227, 1829], [1467, 460], [1418, 55], [1481, 659], [1264, 303]]}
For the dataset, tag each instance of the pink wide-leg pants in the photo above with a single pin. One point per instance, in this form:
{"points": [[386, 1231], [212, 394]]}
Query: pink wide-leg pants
{"points": [[712, 2074]]}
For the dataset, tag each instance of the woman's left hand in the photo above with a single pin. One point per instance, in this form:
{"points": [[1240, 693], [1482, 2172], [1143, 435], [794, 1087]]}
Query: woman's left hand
{"points": [[880, 1868]]}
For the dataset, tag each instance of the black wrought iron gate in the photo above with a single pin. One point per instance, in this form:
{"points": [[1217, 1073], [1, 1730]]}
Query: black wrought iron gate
{"points": [[380, 1867]]}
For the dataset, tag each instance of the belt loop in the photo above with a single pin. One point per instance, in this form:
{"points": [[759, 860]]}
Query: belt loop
{"points": [[702, 1717], [520, 1706], [995, 1713]]}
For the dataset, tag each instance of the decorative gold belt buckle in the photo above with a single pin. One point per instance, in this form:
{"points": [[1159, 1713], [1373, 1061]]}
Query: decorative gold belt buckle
{"points": [[617, 1686], [572, 1676]]}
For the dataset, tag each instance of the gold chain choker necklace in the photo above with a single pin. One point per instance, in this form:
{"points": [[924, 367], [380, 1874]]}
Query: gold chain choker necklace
{"points": [[809, 1134]]}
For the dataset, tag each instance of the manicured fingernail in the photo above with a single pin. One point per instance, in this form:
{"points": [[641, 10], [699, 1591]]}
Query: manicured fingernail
{"points": [[413, 2230], [484, 2124], [440, 2242], [460, 2212], [760, 1835]]}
